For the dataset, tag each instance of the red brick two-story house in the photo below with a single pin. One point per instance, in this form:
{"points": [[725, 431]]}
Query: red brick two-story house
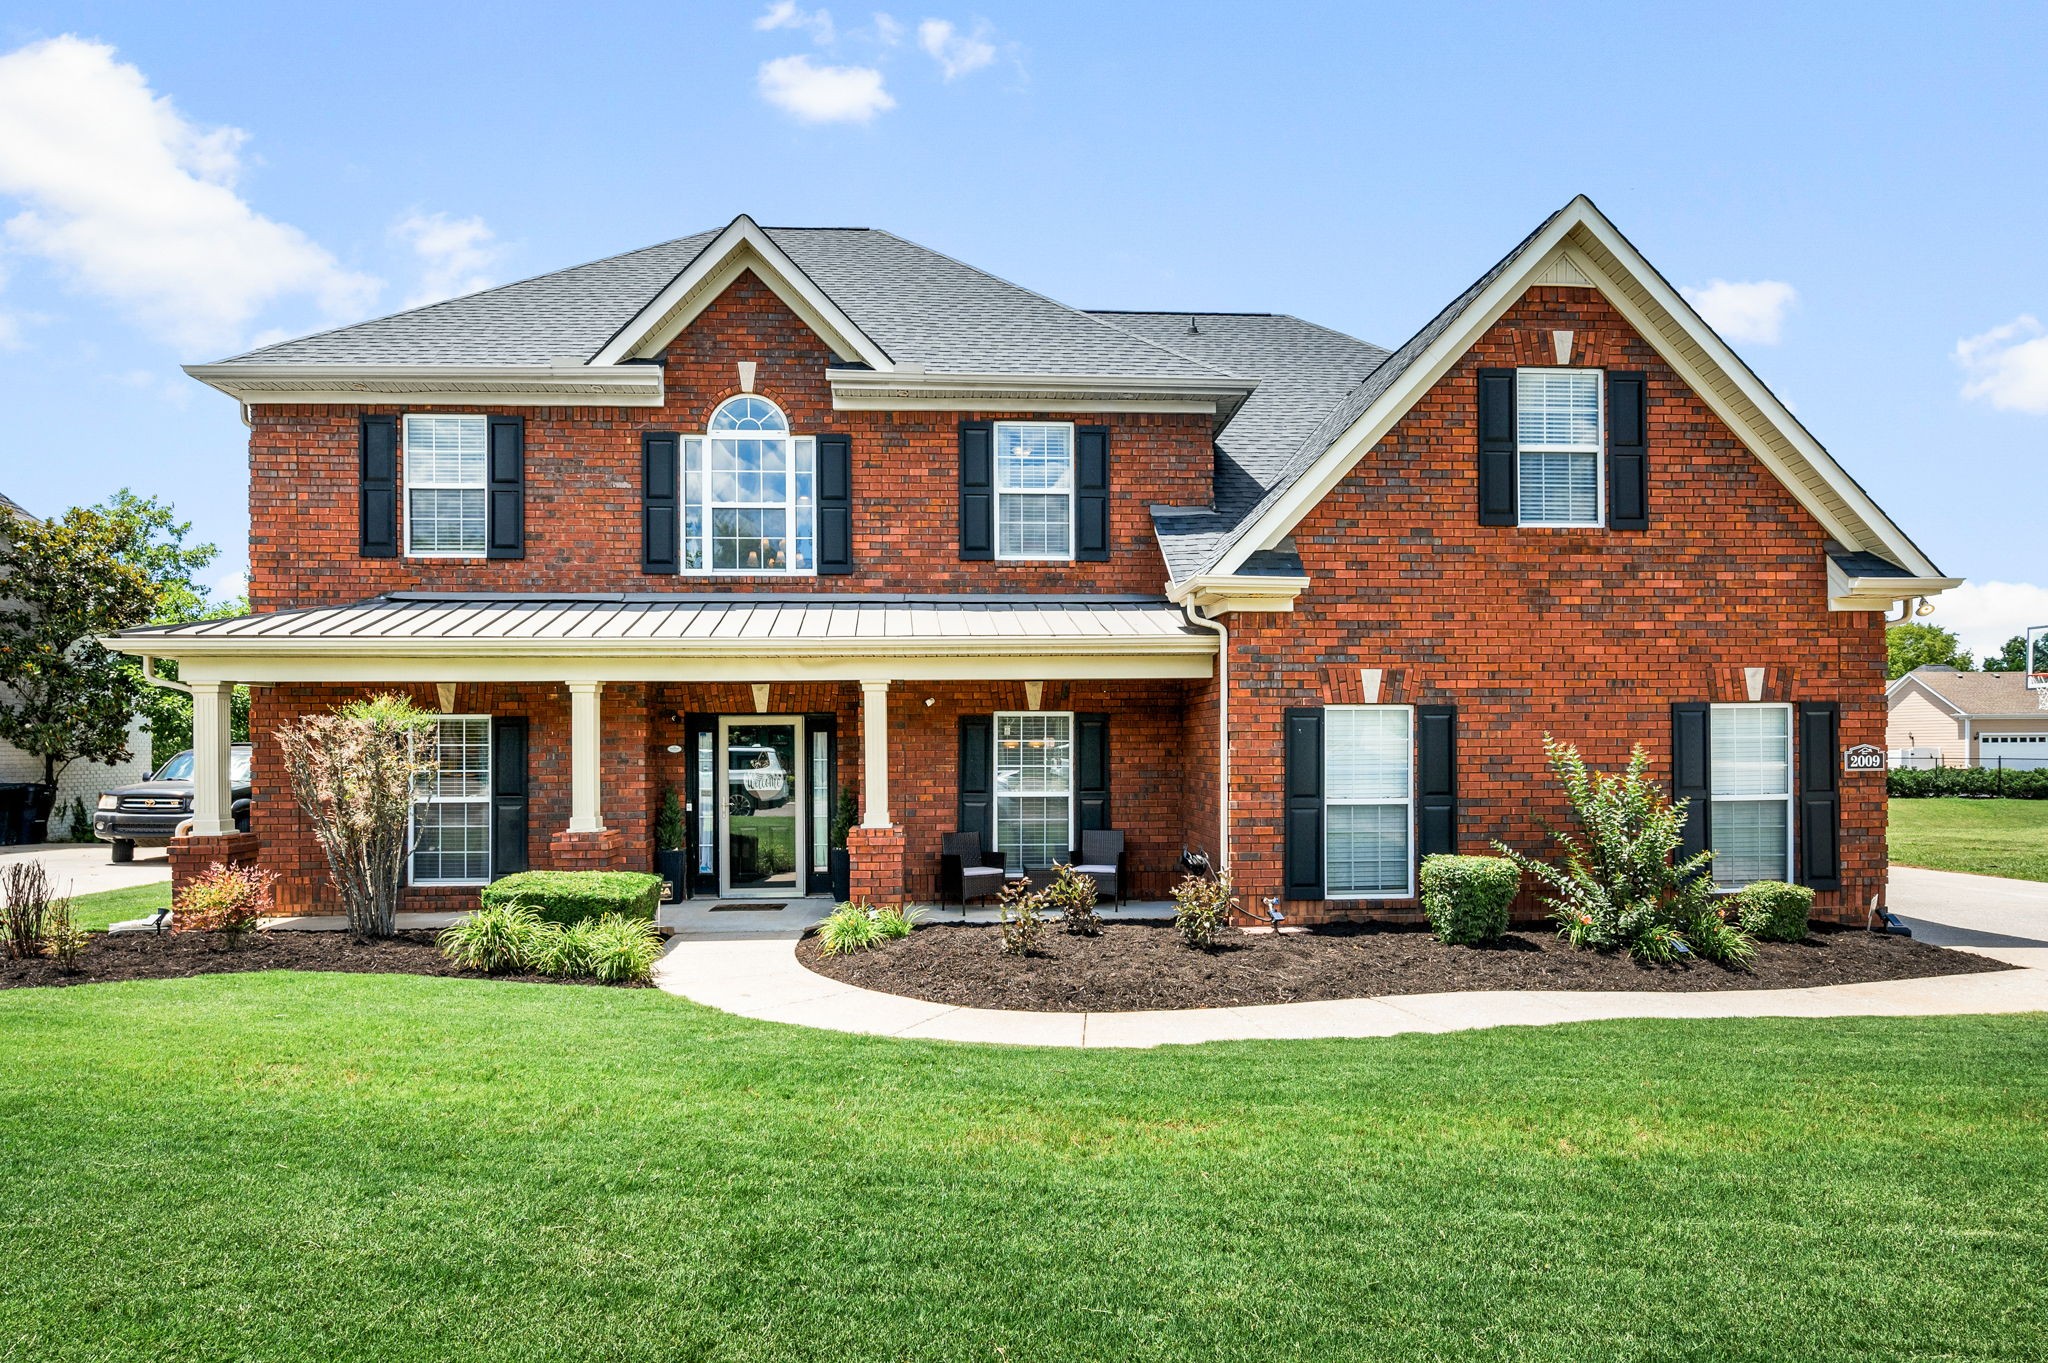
{"points": [[761, 515]]}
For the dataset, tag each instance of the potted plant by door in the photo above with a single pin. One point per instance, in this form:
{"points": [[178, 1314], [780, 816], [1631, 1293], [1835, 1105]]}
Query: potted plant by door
{"points": [[670, 858], [841, 864]]}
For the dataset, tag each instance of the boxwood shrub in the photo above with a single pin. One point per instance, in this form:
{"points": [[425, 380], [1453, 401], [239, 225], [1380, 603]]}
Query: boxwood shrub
{"points": [[1908, 783], [572, 896], [1467, 898], [1774, 911]]}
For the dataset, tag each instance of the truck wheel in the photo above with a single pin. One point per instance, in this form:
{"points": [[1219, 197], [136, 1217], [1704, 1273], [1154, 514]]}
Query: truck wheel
{"points": [[124, 852]]}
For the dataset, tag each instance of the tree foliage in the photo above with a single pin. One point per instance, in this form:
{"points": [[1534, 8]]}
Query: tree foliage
{"points": [[2011, 656], [1914, 645]]}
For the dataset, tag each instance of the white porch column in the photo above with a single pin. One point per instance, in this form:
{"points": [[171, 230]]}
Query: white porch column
{"points": [[874, 740], [584, 758], [212, 805]]}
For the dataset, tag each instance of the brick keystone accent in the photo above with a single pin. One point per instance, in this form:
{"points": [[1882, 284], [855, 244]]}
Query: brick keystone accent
{"points": [[604, 850], [876, 859], [190, 856]]}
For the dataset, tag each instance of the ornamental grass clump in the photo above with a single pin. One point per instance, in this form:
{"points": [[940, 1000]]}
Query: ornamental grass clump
{"points": [[1072, 896], [497, 939], [1024, 922], [1202, 906], [1625, 884], [856, 927], [500, 939], [230, 900]]}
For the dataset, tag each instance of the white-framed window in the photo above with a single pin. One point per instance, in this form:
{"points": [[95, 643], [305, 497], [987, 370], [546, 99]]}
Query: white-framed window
{"points": [[451, 812], [1034, 489], [1751, 774], [446, 501], [1034, 772], [1559, 439], [1369, 801], [749, 492]]}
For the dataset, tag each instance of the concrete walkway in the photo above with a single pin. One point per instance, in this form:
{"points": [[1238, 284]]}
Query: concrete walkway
{"points": [[758, 976], [77, 868]]}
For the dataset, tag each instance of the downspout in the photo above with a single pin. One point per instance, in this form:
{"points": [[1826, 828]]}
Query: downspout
{"points": [[1198, 617], [149, 675]]}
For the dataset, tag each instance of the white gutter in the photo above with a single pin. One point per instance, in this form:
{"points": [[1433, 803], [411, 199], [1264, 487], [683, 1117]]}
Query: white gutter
{"points": [[564, 382], [909, 389], [149, 675], [1202, 621]]}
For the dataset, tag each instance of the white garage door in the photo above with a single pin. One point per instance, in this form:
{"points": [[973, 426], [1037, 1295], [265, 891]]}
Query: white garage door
{"points": [[2014, 752]]}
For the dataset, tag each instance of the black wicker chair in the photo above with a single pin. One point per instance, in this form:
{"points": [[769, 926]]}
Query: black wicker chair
{"points": [[966, 872], [1101, 858]]}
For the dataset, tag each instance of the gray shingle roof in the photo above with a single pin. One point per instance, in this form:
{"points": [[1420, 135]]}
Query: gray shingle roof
{"points": [[1982, 693], [920, 306]]}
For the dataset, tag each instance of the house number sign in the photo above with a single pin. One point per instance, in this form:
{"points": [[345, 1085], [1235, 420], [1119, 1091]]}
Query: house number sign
{"points": [[1863, 757]]}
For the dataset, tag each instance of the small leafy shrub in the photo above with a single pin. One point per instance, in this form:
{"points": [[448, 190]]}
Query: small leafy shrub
{"points": [[1467, 898], [895, 921], [65, 939], [849, 928], [225, 899], [80, 823], [1202, 906], [1072, 896], [1775, 911], [25, 888], [1715, 934], [1906, 783], [496, 939], [1024, 923], [570, 896]]}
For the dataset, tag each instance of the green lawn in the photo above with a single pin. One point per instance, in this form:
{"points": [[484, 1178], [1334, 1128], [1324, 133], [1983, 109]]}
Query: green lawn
{"points": [[287, 1166], [1987, 837], [95, 911]]}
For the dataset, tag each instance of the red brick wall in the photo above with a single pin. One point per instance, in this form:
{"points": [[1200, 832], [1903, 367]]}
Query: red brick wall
{"points": [[1586, 634], [583, 485]]}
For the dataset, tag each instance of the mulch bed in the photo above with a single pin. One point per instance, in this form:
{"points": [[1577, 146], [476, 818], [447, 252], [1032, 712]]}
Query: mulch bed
{"points": [[1134, 966], [148, 956]]}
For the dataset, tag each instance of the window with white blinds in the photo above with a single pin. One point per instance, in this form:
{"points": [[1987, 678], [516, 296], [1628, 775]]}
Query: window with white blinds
{"points": [[446, 505], [1034, 490], [1751, 780], [451, 812], [1368, 801], [1558, 443], [1034, 789]]}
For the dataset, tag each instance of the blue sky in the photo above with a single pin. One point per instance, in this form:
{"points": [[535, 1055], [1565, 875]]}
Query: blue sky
{"points": [[178, 182]]}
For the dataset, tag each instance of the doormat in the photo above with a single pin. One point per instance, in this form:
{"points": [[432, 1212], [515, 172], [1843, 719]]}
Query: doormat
{"points": [[748, 908]]}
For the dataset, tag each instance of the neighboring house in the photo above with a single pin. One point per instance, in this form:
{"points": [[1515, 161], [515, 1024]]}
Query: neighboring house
{"points": [[76, 780], [1941, 717], [764, 513]]}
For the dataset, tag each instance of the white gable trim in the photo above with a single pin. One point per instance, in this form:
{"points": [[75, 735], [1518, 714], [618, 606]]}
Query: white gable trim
{"points": [[1898, 688], [1580, 240], [740, 247]]}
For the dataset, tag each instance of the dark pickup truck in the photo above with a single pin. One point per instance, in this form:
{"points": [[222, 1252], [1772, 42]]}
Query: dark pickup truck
{"points": [[149, 812]]}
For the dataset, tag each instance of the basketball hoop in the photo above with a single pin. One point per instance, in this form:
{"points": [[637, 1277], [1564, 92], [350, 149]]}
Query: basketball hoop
{"points": [[2037, 658]]}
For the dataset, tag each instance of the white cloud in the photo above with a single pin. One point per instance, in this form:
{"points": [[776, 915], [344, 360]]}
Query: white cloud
{"points": [[824, 94], [957, 53], [1751, 311], [232, 582], [455, 254], [786, 14], [1985, 614], [134, 203], [888, 29], [2008, 366]]}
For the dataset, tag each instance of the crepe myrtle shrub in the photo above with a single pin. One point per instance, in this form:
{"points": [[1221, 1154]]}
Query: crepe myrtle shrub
{"points": [[25, 898], [1773, 911], [229, 900], [1024, 924], [1072, 896], [1467, 898], [1202, 906], [571, 896], [1624, 884], [355, 771]]}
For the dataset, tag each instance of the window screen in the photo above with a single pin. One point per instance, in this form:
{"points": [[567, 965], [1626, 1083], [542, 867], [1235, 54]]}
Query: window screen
{"points": [[1751, 781], [1368, 783], [1557, 417]]}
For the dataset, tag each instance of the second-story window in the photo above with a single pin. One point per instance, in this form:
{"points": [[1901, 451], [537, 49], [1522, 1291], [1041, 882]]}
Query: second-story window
{"points": [[749, 496], [446, 504], [1034, 490], [1558, 440]]}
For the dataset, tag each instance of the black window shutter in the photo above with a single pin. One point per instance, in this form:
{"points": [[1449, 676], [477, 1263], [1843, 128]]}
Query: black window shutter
{"points": [[1820, 795], [1091, 772], [507, 487], [508, 796], [1692, 774], [977, 491], [1302, 826], [1436, 779], [660, 516], [977, 778], [1628, 455], [835, 505], [378, 476], [1091, 494], [1497, 447]]}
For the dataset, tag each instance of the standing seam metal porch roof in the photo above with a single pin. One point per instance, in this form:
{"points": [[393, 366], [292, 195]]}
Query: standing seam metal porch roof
{"points": [[714, 621]]}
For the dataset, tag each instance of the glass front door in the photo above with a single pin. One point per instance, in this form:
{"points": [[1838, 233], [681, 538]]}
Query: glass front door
{"points": [[762, 815]]}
